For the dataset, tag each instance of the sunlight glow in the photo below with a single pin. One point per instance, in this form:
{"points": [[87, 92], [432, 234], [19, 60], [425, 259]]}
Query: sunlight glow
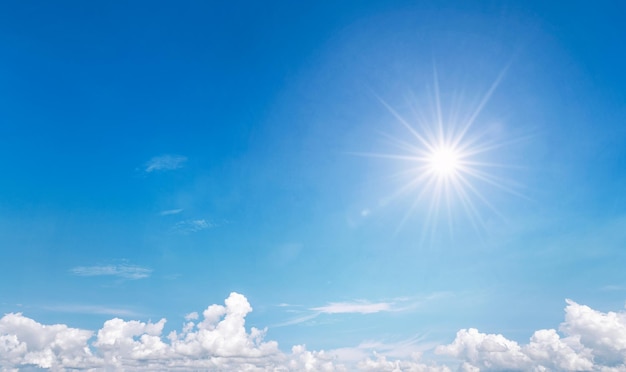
{"points": [[447, 160], [444, 161]]}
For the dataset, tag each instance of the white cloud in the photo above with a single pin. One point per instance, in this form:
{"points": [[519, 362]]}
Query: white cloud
{"points": [[218, 340], [170, 212], [23, 342], [120, 271], [165, 162], [380, 363], [358, 307], [303, 360], [593, 341], [604, 333], [192, 316], [354, 307], [191, 226]]}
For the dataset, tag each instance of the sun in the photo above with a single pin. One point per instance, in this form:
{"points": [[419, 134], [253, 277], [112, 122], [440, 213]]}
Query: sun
{"points": [[445, 161], [448, 162]]}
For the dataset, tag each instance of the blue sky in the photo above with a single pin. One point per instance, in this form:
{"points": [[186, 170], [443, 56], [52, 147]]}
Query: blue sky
{"points": [[157, 157]]}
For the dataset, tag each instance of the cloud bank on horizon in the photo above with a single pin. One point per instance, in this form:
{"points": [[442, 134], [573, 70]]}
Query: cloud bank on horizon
{"points": [[587, 340]]}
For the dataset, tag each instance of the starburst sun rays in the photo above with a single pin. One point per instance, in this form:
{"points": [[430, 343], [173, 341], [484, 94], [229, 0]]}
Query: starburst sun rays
{"points": [[446, 164]]}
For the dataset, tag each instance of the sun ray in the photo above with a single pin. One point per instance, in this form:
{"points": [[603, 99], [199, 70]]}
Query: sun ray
{"points": [[448, 160], [480, 107], [408, 126]]}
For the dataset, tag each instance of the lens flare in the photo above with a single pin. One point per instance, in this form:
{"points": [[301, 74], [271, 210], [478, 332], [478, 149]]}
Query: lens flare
{"points": [[446, 162]]}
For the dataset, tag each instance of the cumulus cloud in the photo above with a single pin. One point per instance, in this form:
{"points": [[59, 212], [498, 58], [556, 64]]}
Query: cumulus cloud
{"points": [[165, 163], [120, 271], [25, 342], [218, 340], [380, 363], [592, 341], [604, 333]]}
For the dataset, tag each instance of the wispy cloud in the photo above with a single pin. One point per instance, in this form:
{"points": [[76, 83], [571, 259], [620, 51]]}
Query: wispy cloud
{"points": [[120, 271], [170, 212], [191, 226], [397, 304], [165, 163], [613, 287], [361, 307], [91, 309], [356, 307], [296, 320]]}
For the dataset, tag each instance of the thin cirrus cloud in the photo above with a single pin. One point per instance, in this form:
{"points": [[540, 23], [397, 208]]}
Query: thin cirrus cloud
{"points": [[165, 163], [121, 271], [357, 307], [354, 307], [170, 212], [218, 339], [191, 226]]}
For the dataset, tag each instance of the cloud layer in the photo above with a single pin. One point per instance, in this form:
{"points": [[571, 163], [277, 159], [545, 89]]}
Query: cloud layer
{"points": [[218, 340]]}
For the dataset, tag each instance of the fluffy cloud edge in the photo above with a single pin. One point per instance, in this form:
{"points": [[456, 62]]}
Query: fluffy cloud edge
{"points": [[217, 339]]}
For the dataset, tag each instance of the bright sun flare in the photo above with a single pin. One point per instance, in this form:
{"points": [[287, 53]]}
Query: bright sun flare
{"points": [[445, 162]]}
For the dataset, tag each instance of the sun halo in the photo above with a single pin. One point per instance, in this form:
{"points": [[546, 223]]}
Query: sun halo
{"points": [[447, 160], [444, 161]]}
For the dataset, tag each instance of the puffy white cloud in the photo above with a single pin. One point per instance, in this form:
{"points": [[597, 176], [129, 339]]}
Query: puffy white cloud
{"points": [[217, 339], [24, 341], [548, 349], [165, 162], [593, 341], [220, 341], [486, 351], [302, 359], [604, 333], [222, 333], [381, 363]]}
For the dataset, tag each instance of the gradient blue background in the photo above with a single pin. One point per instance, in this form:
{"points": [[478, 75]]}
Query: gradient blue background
{"points": [[269, 102]]}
